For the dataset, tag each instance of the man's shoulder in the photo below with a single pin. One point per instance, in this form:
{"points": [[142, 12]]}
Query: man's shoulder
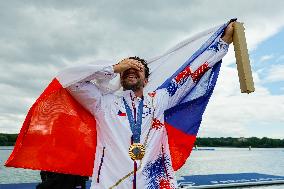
{"points": [[159, 97], [158, 93]]}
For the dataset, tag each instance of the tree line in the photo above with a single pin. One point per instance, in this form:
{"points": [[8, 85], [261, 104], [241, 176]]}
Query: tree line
{"points": [[254, 142], [8, 139]]}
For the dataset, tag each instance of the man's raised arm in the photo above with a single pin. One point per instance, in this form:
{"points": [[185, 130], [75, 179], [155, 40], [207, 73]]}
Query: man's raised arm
{"points": [[79, 81], [184, 81]]}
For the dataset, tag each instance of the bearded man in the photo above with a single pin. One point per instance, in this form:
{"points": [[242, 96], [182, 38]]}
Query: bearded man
{"points": [[132, 143]]}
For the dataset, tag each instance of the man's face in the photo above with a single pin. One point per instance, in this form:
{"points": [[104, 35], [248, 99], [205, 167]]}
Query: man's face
{"points": [[133, 79]]}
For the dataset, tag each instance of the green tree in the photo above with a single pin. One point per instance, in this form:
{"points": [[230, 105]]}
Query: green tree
{"points": [[3, 140]]}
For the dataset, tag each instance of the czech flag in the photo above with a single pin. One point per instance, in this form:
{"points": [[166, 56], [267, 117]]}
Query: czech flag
{"points": [[59, 135]]}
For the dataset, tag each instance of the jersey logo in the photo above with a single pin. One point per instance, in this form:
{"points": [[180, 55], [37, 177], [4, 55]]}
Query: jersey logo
{"points": [[120, 113]]}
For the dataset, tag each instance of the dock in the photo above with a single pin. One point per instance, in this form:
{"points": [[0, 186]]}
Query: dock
{"points": [[229, 180], [199, 181]]}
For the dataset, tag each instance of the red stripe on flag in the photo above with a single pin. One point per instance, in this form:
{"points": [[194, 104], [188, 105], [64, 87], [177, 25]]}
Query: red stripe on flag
{"points": [[199, 72], [183, 74], [180, 145], [58, 135]]}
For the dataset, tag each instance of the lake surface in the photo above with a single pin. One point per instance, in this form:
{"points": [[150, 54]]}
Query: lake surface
{"points": [[221, 160]]}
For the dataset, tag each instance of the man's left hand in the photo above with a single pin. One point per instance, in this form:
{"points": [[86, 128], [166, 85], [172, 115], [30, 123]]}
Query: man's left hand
{"points": [[228, 33]]}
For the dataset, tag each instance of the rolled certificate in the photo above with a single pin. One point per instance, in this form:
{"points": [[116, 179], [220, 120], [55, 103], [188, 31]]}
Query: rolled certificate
{"points": [[242, 58]]}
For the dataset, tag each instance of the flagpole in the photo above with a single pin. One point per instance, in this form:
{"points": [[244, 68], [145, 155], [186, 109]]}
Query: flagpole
{"points": [[242, 59]]}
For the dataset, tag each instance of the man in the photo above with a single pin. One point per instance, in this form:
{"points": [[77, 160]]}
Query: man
{"points": [[132, 147]]}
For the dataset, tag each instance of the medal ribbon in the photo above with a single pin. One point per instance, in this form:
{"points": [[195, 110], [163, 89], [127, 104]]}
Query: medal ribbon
{"points": [[135, 125]]}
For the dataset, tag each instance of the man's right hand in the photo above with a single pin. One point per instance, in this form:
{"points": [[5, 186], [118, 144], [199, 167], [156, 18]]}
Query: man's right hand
{"points": [[126, 64]]}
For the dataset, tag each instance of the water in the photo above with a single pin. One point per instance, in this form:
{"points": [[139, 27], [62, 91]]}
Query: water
{"points": [[12, 175], [236, 160], [221, 160]]}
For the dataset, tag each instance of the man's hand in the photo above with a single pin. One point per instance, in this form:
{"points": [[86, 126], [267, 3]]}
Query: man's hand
{"points": [[126, 64], [228, 34]]}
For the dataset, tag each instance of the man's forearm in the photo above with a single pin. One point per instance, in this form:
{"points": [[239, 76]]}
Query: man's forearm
{"points": [[74, 75]]}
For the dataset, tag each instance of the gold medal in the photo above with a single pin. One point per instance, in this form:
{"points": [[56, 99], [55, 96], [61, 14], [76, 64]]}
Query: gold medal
{"points": [[136, 151]]}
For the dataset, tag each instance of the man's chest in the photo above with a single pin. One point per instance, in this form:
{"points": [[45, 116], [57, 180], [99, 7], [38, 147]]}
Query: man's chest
{"points": [[115, 112]]}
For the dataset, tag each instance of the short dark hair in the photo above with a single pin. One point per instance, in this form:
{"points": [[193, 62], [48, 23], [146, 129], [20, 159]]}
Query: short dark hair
{"points": [[144, 62]]}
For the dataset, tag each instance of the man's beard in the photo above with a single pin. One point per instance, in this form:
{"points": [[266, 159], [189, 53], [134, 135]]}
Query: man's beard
{"points": [[131, 85], [134, 87]]}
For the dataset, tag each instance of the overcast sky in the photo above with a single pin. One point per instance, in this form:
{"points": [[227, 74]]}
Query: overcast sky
{"points": [[38, 38]]}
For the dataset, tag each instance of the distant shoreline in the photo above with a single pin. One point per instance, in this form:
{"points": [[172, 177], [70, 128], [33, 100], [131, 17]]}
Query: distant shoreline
{"points": [[242, 142]]}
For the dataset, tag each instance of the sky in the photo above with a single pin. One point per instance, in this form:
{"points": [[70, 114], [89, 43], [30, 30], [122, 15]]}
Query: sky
{"points": [[39, 38]]}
